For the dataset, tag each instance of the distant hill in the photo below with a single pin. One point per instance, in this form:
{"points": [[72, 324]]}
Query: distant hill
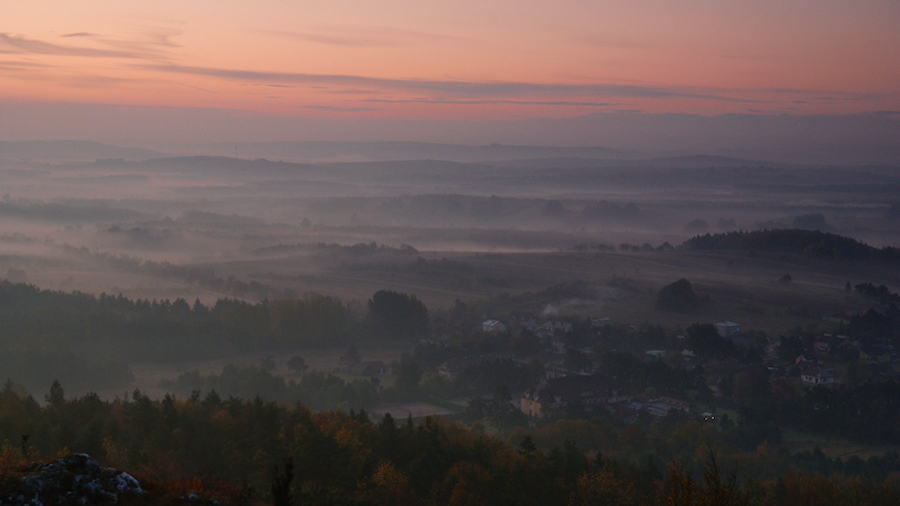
{"points": [[811, 243], [70, 151], [202, 164], [701, 161], [312, 151]]}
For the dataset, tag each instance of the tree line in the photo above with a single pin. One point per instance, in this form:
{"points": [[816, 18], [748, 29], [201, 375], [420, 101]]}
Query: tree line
{"points": [[68, 330], [811, 243]]}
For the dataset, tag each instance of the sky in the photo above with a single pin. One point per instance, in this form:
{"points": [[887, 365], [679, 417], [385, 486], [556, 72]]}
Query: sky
{"points": [[437, 71]]}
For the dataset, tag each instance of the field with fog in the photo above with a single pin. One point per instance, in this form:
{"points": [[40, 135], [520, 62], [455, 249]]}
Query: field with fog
{"points": [[443, 223]]}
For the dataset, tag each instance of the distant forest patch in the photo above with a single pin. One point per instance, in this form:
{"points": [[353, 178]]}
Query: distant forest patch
{"points": [[811, 243]]}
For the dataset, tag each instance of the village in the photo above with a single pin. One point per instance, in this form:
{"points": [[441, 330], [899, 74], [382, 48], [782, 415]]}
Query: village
{"points": [[577, 378]]}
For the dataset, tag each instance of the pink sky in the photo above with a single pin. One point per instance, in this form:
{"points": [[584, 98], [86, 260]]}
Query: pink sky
{"points": [[456, 61]]}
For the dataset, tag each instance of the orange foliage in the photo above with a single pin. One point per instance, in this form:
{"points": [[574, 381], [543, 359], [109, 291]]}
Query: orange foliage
{"points": [[603, 487], [467, 483], [389, 487]]}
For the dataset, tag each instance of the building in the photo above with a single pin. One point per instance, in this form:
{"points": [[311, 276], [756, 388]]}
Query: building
{"points": [[493, 326], [555, 393], [728, 329], [660, 406], [822, 345], [817, 376]]}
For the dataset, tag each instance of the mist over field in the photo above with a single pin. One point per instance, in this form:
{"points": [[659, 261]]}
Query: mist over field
{"points": [[68, 208], [444, 223]]}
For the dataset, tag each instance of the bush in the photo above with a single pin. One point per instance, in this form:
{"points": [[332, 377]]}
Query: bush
{"points": [[678, 296]]}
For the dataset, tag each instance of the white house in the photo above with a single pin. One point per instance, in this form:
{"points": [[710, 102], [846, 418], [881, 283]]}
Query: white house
{"points": [[492, 326], [817, 376]]}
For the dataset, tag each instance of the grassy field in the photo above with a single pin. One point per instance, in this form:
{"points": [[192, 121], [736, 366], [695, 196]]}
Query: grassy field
{"points": [[149, 376], [741, 288]]}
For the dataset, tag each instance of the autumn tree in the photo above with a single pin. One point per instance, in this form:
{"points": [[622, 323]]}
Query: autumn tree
{"points": [[604, 487]]}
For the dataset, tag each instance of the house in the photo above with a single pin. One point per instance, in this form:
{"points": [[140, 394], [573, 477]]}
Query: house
{"points": [[818, 376], [556, 393], [728, 329], [554, 327], [675, 404], [493, 326], [839, 319], [660, 406], [657, 354], [806, 358]]}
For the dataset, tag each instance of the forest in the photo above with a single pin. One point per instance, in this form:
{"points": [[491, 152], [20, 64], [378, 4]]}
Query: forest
{"points": [[127, 330], [241, 451], [246, 433]]}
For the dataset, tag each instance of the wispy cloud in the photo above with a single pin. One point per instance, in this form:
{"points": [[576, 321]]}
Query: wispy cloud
{"points": [[99, 81], [162, 37], [17, 44], [337, 40], [494, 102], [362, 36], [152, 46], [465, 89], [340, 109], [24, 65]]}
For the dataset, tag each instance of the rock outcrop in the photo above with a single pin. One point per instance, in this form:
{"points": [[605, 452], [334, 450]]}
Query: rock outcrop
{"points": [[73, 480]]}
